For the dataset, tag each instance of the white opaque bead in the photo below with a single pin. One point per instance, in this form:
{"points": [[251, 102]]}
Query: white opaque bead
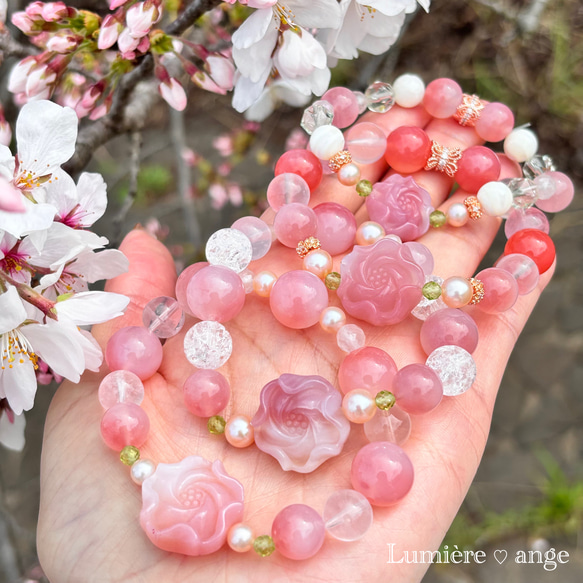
{"points": [[350, 337], [347, 515], [409, 90], [326, 141], [240, 537], [457, 215], [521, 145], [141, 470], [495, 198], [349, 174]]}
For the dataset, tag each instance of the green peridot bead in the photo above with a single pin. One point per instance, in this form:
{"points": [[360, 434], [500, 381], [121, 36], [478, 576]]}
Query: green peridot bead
{"points": [[437, 219], [263, 545], [129, 455], [431, 290], [216, 424], [364, 187], [332, 280], [384, 400]]}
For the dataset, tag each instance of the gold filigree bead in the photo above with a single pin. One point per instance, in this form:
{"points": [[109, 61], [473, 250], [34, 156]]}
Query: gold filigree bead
{"points": [[443, 159], [477, 291], [469, 110], [474, 207], [339, 159], [307, 245]]}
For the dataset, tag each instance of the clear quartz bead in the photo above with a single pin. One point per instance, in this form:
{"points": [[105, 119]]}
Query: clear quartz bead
{"points": [[393, 425], [361, 100], [163, 317], [230, 248], [380, 97], [120, 386], [523, 192], [208, 345], [455, 367], [538, 165], [347, 515], [350, 337], [320, 113], [426, 307]]}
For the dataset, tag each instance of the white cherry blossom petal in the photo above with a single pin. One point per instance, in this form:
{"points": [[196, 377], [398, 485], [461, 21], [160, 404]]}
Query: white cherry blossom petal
{"points": [[7, 163], [91, 350], [315, 13], [247, 92], [92, 307], [12, 434], [12, 312], [19, 385], [106, 264], [92, 197], [36, 217], [254, 28]]}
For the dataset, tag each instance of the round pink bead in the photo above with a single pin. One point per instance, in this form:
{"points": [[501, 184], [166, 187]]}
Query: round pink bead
{"points": [[297, 299], [216, 293], [421, 255], [367, 368], [417, 389], [258, 232], [449, 327], [287, 188], [383, 472], [120, 386], [523, 269], [495, 123], [295, 222], [124, 424], [561, 199], [393, 425], [336, 227], [134, 349], [206, 393], [442, 98], [477, 166], [183, 281], [366, 142], [345, 106], [531, 218], [298, 532], [500, 290]]}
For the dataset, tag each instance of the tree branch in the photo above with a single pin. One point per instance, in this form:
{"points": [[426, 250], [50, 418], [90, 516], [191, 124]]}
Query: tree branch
{"points": [[10, 47]]}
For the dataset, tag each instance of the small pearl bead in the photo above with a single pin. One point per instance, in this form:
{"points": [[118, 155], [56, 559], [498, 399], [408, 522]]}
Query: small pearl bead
{"points": [[457, 292], [240, 537], [318, 262], [495, 198], [141, 470], [457, 215], [332, 319], [409, 90], [326, 141], [349, 174], [263, 282], [368, 233], [521, 145], [239, 431], [358, 406]]}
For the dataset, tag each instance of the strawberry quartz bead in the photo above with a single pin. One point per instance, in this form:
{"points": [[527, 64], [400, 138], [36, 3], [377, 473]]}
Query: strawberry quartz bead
{"points": [[535, 244], [367, 368], [523, 269], [345, 106], [408, 149], [124, 424], [563, 192], [206, 393], [500, 290], [477, 166], [134, 349], [366, 142], [495, 123], [449, 327], [336, 227], [182, 284], [303, 163], [298, 532], [417, 389], [293, 223], [442, 98]]}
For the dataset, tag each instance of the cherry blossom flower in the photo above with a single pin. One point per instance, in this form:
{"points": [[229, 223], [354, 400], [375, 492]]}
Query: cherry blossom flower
{"points": [[109, 32], [173, 93]]}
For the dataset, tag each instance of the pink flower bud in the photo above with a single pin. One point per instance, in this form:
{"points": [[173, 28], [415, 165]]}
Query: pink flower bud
{"points": [[141, 17], [235, 194], [22, 21], [173, 93], [126, 42], [39, 82], [108, 33], [35, 11], [205, 82], [144, 44], [116, 4], [19, 74], [222, 71], [53, 11], [62, 43], [98, 112], [218, 194]]}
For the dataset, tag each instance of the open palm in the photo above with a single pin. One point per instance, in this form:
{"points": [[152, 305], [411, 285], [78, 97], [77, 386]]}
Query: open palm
{"points": [[88, 525]]}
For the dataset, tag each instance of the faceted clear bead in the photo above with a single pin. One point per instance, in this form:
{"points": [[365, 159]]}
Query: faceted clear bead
{"points": [[393, 425], [347, 515], [455, 367], [320, 113], [208, 345], [350, 337], [120, 386], [538, 165], [523, 192], [163, 316], [361, 100], [230, 248], [426, 307], [380, 96]]}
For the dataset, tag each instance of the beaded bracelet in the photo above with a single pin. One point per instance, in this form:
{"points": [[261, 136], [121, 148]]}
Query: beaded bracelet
{"points": [[193, 507]]}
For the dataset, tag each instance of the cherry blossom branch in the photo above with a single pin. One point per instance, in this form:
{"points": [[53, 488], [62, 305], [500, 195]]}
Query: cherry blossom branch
{"points": [[10, 47], [46, 306]]}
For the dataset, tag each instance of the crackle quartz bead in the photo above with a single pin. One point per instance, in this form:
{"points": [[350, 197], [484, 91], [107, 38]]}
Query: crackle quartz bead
{"points": [[135, 349], [124, 424], [477, 166], [304, 164], [240, 537], [366, 142], [449, 327], [500, 290], [409, 90], [495, 123], [523, 269], [336, 227], [141, 470], [326, 141], [496, 198], [183, 281], [521, 145], [298, 531], [345, 106], [239, 431], [455, 367], [358, 406], [562, 196], [520, 219], [287, 188], [163, 317], [206, 393], [258, 232], [408, 149], [216, 293], [368, 368], [229, 248], [369, 233], [263, 283], [120, 386], [318, 262], [295, 222], [208, 345], [332, 319], [426, 307], [350, 337], [417, 389], [456, 292], [442, 97], [382, 472], [392, 425], [347, 515], [298, 298]]}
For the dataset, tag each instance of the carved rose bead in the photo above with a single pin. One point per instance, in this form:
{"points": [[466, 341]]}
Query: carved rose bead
{"points": [[401, 206], [380, 283], [188, 507], [300, 422]]}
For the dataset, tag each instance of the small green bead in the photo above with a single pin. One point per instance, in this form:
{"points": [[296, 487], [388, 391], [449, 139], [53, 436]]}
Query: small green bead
{"points": [[129, 455], [364, 187], [437, 219], [384, 400], [263, 545], [431, 290], [333, 280], [216, 424]]}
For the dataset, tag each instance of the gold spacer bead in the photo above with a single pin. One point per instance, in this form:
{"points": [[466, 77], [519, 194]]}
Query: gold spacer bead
{"points": [[474, 207], [477, 291], [263, 545], [339, 159], [129, 455], [307, 245]]}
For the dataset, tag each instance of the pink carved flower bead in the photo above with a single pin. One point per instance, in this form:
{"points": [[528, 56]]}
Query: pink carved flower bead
{"points": [[381, 283], [189, 507], [300, 422], [401, 206], [298, 532]]}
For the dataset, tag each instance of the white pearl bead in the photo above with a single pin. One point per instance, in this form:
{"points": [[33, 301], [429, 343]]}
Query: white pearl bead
{"points": [[240, 537], [349, 174], [409, 90], [521, 145], [495, 198], [326, 141], [141, 470], [457, 215], [332, 319]]}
